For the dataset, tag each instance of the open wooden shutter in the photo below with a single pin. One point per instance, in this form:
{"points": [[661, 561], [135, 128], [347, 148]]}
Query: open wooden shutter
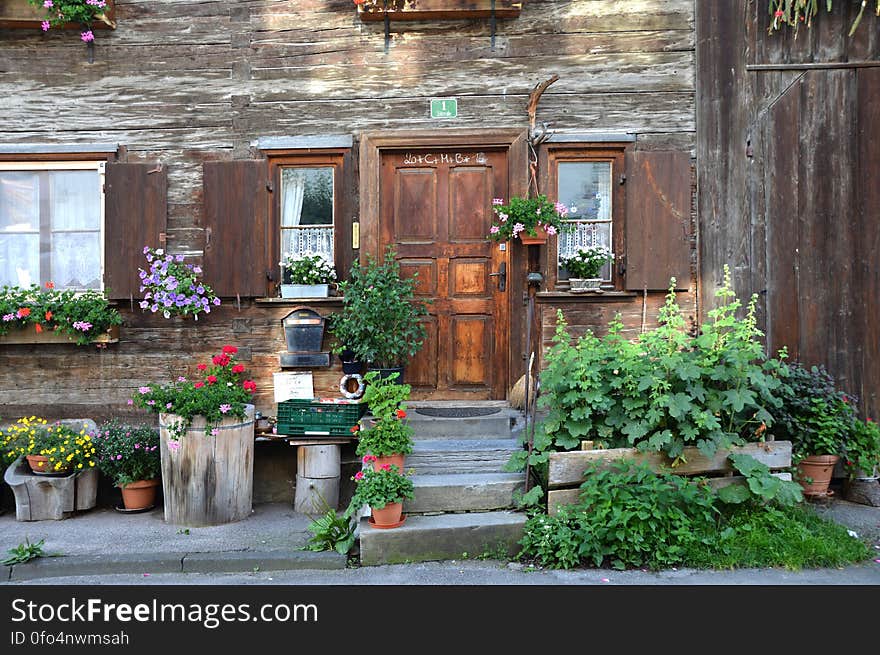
{"points": [[658, 219], [135, 215], [236, 223]]}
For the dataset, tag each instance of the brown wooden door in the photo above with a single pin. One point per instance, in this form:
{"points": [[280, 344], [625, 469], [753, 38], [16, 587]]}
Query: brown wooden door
{"points": [[436, 208]]}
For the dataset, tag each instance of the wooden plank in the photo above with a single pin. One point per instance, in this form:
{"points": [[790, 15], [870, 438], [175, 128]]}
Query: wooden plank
{"points": [[658, 225], [559, 497], [135, 216], [567, 468]]}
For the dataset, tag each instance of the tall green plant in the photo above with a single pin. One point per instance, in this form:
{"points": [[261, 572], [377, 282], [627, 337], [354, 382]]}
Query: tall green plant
{"points": [[663, 391], [381, 319]]}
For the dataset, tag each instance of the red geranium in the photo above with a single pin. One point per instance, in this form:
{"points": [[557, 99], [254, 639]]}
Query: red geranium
{"points": [[211, 379], [401, 414], [249, 385], [229, 350], [238, 368], [202, 367], [199, 385], [220, 360]]}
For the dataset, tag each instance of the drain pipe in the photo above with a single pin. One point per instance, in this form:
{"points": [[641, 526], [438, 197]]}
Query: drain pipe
{"points": [[534, 281]]}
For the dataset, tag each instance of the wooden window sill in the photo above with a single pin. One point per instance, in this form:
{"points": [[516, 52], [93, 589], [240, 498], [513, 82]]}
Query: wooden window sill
{"points": [[564, 295], [20, 14], [332, 300], [444, 10]]}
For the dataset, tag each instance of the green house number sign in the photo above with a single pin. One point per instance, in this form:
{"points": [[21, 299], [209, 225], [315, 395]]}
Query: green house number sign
{"points": [[444, 108]]}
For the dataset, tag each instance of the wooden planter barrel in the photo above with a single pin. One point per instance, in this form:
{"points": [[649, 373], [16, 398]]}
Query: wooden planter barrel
{"points": [[208, 480]]}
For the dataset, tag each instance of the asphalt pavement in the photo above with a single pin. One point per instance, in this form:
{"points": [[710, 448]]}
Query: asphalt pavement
{"points": [[108, 547]]}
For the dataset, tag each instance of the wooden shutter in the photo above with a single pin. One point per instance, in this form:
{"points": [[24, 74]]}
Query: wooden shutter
{"points": [[236, 223], [658, 219], [135, 215]]}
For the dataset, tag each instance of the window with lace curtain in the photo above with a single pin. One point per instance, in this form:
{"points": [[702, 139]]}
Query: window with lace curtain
{"points": [[52, 224], [307, 214]]}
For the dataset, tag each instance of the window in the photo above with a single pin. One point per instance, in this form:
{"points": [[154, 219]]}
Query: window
{"points": [[308, 205], [307, 211], [52, 224], [584, 178]]}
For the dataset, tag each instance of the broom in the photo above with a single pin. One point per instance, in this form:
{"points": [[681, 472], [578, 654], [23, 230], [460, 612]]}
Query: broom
{"points": [[517, 395]]}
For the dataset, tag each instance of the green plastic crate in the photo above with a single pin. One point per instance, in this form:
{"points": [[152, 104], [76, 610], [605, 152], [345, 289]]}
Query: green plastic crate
{"points": [[319, 418]]}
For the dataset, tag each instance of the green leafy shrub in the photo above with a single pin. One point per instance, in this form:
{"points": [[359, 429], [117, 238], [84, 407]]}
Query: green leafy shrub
{"points": [[760, 485], [863, 448], [381, 320], [626, 516], [331, 532], [663, 391], [814, 415], [127, 453]]}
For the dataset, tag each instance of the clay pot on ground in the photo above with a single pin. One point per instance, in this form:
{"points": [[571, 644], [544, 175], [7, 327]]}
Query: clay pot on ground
{"points": [[140, 494], [814, 474]]}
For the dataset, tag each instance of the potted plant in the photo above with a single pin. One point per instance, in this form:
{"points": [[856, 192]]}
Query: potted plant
{"points": [[49, 449], [129, 456], [384, 490], [862, 451], [583, 267], [387, 439], [174, 288], [42, 315], [529, 219], [306, 276], [817, 418], [381, 320], [85, 12], [206, 433]]}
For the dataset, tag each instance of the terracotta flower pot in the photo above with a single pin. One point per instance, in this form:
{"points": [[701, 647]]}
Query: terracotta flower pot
{"points": [[388, 516], [140, 494], [396, 459], [40, 464], [814, 474]]}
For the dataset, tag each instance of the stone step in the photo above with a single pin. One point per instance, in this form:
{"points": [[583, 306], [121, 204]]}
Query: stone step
{"points": [[439, 456], [463, 492], [448, 536], [492, 426]]}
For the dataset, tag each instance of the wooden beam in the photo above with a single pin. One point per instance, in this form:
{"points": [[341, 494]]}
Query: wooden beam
{"points": [[567, 468]]}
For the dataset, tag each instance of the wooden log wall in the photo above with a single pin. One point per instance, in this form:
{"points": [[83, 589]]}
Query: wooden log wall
{"points": [[183, 82], [788, 152]]}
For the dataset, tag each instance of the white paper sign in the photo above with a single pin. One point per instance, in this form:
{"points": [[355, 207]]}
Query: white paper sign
{"points": [[290, 386]]}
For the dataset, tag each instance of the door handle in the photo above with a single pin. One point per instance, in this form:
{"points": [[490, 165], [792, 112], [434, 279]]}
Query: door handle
{"points": [[502, 276]]}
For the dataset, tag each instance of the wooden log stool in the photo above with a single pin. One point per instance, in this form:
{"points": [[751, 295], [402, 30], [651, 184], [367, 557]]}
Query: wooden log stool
{"points": [[42, 498], [317, 478]]}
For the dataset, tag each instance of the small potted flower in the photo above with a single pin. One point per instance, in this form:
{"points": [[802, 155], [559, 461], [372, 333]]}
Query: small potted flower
{"points": [[384, 490], [129, 456], [206, 436], [174, 288], [583, 267], [306, 276], [387, 438], [49, 449], [530, 220]]}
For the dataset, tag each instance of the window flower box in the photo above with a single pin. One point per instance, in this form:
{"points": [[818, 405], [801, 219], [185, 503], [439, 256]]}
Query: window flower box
{"points": [[28, 335], [20, 14], [437, 9]]}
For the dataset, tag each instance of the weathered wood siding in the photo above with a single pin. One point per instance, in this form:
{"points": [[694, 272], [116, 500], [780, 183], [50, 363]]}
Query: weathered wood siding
{"points": [[184, 82], [788, 154]]}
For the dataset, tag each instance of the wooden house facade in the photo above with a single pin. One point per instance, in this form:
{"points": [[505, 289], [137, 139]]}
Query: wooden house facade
{"points": [[200, 114]]}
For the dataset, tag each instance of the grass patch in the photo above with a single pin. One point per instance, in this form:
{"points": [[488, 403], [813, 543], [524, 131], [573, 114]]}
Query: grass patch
{"points": [[792, 537]]}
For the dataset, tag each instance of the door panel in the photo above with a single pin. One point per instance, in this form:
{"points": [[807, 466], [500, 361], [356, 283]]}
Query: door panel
{"points": [[436, 208]]}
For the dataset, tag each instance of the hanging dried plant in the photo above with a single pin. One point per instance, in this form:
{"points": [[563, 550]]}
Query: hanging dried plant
{"points": [[795, 12]]}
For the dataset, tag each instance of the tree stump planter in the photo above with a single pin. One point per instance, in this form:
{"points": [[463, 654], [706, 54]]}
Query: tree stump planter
{"points": [[208, 480], [44, 498], [317, 478]]}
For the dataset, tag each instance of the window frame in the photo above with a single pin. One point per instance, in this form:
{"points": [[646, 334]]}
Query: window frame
{"points": [[551, 154], [340, 160], [61, 162]]}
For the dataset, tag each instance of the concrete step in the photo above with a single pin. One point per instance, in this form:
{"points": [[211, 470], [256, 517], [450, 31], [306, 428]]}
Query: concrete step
{"points": [[439, 456], [444, 537], [492, 426], [463, 492]]}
